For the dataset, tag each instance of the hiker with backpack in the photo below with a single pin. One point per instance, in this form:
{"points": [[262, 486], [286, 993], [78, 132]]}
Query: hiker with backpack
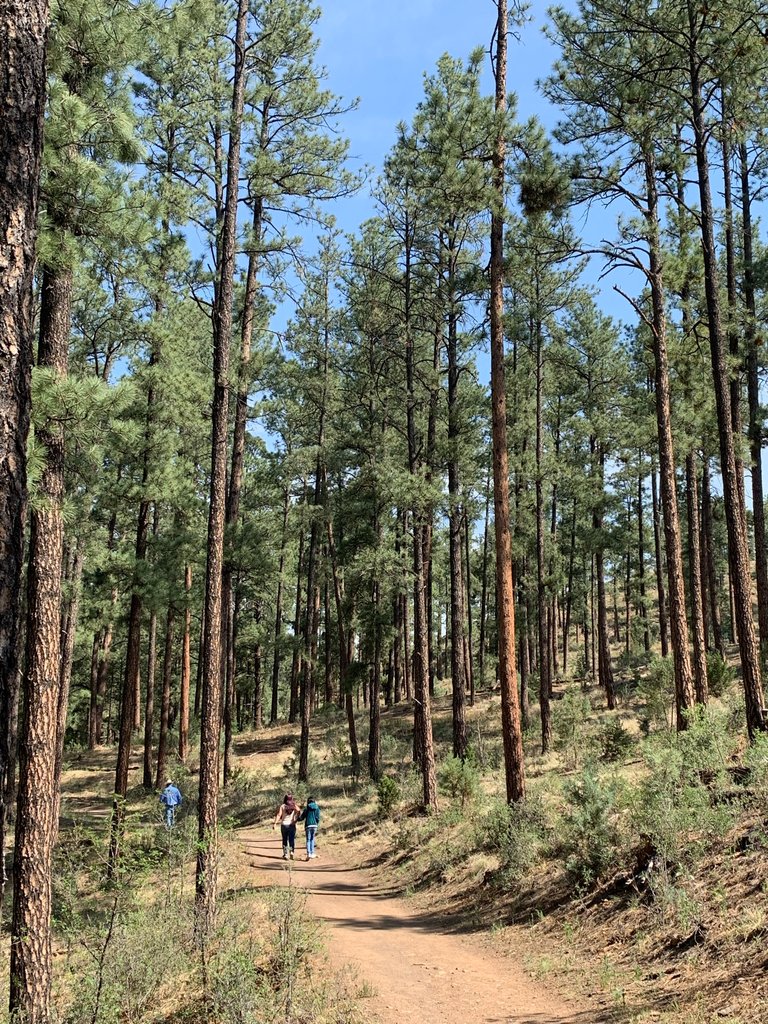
{"points": [[286, 817], [311, 818]]}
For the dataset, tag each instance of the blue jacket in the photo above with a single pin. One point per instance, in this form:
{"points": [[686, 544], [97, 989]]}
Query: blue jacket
{"points": [[311, 814], [171, 797]]}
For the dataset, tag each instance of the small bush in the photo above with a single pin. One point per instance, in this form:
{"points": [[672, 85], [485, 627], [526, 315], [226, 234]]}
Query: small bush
{"points": [[388, 794], [720, 674], [520, 834], [614, 742], [590, 832], [570, 720], [756, 759], [460, 779], [657, 691]]}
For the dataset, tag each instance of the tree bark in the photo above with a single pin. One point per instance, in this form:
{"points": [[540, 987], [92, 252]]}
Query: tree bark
{"points": [[23, 37], [36, 827]]}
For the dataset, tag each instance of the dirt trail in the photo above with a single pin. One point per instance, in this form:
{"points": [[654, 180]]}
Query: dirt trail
{"points": [[415, 963]]}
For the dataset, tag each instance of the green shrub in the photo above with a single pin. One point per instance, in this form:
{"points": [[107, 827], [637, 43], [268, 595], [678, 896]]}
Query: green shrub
{"points": [[613, 741], [590, 831], [571, 715], [460, 779], [520, 834], [720, 674], [657, 691], [389, 795], [677, 805], [756, 759]]}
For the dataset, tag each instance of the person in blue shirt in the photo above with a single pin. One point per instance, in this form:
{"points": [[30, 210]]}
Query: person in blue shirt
{"points": [[171, 799], [311, 818]]}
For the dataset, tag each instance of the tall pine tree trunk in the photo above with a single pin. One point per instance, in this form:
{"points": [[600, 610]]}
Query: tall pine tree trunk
{"points": [[736, 520], [206, 877], [36, 827], [709, 560], [186, 667], [660, 588], [23, 35], [455, 517], [277, 652], [422, 711], [541, 591], [165, 701], [149, 706], [685, 695], [755, 431], [694, 568], [505, 592]]}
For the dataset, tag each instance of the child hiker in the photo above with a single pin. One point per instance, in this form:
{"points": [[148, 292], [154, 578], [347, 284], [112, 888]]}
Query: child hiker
{"points": [[311, 818], [171, 799], [287, 816]]}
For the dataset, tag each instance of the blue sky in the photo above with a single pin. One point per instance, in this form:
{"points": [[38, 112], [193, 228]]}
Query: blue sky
{"points": [[378, 51]]}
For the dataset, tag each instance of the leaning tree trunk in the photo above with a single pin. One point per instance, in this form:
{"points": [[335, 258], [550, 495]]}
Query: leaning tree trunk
{"points": [[36, 827], [505, 591], [206, 878], [23, 34]]}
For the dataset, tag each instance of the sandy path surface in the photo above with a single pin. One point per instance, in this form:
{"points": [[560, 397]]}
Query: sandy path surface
{"points": [[416, 964]]}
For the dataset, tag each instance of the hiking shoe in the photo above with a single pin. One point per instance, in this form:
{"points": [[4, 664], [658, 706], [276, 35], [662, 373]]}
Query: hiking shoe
{"points": [[285, 856]]}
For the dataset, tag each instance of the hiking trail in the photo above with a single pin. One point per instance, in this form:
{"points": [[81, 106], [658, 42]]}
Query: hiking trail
{"points": [[417, 965]]}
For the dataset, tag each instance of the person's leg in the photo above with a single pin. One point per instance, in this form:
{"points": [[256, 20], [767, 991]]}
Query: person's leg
{"points": [[292, 838], [285, 832], [311, 830], [168, 817]]}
